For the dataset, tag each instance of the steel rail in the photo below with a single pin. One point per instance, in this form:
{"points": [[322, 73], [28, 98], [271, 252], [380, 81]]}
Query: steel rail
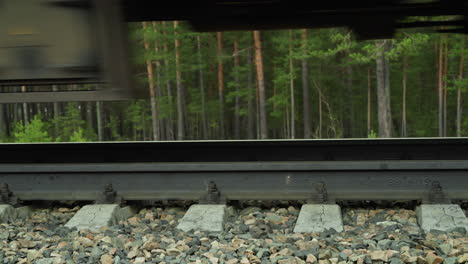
{"points": [[242, 170], [237, 151]]}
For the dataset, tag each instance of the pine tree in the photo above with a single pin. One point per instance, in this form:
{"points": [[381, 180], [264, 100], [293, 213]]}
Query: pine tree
{"points": [[151, 82], [261, 85], [180, 90], [383, 89]]}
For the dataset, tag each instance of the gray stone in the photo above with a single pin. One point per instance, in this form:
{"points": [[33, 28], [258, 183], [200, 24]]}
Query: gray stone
{"points": [[8, 212], [343, 256], [125, 213], [318, 218], [273, 218], [96, 252], [460, 230], [23, 212], [203, 218], [249, 210], [384, 244], [95, 216], [396, 261], [245, 236], [386, 223], [326, 254], [44, 261], [380, 236], [451, 260], [231, 212], [243, 228], [262, 252], [441, 217], [445, 248], [259, 230]]}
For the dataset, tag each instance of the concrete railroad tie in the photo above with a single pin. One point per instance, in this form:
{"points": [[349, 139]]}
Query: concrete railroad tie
{"points": [[203, 218], [93, 217], [211, 218], [318, 218], [9, 213], [441, 217]]}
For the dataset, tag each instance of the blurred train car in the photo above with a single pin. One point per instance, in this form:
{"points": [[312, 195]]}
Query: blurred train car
{"points": [[46, 42]]}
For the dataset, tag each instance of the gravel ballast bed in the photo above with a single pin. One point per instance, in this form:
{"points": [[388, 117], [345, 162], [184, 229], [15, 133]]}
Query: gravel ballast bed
{"points": [[253, 234]]}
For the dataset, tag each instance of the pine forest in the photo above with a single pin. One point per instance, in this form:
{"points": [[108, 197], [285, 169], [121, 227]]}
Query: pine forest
{"points": [[275, 84]]}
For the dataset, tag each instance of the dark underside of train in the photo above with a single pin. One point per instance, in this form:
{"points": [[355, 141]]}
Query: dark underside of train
{"points": [[105, 23], [368, 19]]}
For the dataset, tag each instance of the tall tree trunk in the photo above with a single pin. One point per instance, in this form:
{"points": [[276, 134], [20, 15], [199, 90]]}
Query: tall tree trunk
{"points": [[403, 111], [3, 132], [202, 91], [305, 88], [143, 136], [37, 110], [286, 127], [441, 88], [237, 98], [320, 114], [16, 115], [251, 96], [369, 100], [459, 95], [180, 90], [349, 86], [157, 91], [100, 121], [383, 90], [219, 38], [170, 135], [20, 117], [8, 118], [56, 112], [291, 86], [261, 85], [25, 108], [149, 71], [445, 83], [89, 116]]}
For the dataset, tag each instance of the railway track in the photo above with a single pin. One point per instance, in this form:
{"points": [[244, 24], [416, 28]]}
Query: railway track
{"points": [[431, 170], [280, 231]]}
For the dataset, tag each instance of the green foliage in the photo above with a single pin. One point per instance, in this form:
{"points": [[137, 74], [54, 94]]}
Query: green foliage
{"points": [[114, 125], [372, 134], [78, 136], [403, 44], [455, 84], [35, 131], [68, 125], [338, 72], [408, 45]]}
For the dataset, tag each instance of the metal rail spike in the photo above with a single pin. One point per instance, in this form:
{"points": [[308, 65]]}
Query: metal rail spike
{"points": [[7, 196]]}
